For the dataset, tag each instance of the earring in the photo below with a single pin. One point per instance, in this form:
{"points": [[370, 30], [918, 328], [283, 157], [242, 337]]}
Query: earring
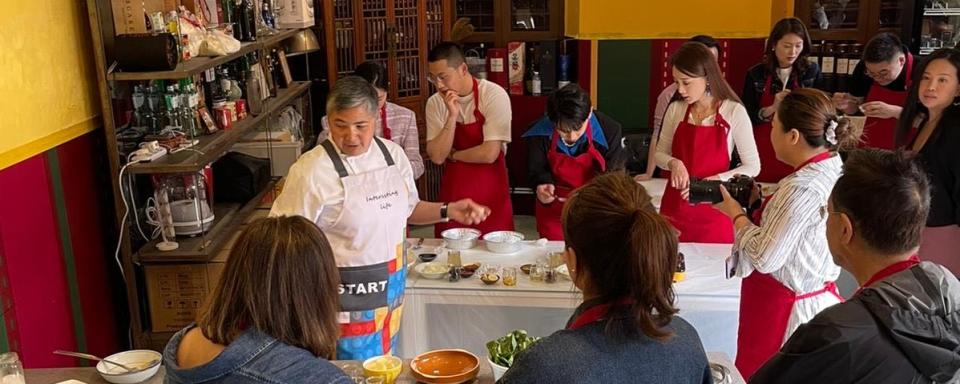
{"points": [[708, 89]]}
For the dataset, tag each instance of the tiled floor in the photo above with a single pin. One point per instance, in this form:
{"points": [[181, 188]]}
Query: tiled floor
{"points": [[527, 225]]}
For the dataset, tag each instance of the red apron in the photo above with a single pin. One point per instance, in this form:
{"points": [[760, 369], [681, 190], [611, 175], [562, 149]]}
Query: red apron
{"points": [[879, 133], [486, 184], [569, 173], [703, 149], [771, 169], [383, 119], [765, 306]]}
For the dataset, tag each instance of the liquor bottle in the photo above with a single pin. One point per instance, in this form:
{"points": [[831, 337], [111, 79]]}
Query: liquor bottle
{"points": [[246, 19], [227, 8], [188, 110], [139, 98], [535, 87], [171, 100], [267, 14], [153, 109]]}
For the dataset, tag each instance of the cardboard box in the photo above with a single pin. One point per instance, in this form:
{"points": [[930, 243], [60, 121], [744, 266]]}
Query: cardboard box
{"points": [[176, 292], [128, 15], [295, 14], [515, 57]]}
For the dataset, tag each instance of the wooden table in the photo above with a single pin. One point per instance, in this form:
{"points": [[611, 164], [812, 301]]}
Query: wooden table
{"points": [[89, 375]]}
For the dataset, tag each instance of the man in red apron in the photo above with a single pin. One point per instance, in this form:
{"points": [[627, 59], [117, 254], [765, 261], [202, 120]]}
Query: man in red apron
{"points": [[881, 81], [360, 191], [567, 148], [468, 125], [704, 152]]}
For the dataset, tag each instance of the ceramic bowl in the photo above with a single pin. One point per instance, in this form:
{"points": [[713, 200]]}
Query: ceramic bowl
{"points": [[503, 241], [427, 257], [386, 366], [445, 366], [526, 268], [433, 270], [460, 238], [146, 362]]}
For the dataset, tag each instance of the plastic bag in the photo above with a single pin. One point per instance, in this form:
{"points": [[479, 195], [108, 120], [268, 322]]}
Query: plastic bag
{"points": [[218, 43]]}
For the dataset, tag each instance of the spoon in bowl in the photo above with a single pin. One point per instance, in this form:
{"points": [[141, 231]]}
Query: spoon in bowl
{"points": [[94, 358]]}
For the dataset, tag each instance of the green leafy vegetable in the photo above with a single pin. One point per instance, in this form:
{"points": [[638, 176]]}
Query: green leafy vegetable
{"points": [[503, 350]]}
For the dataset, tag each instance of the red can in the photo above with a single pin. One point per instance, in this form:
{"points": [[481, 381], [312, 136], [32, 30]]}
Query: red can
{"points": [[224, 118], [241, 106]]}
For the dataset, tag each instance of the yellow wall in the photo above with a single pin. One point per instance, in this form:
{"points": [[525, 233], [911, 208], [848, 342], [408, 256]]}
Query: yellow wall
{"points": [[48, 91], [657, 19]]}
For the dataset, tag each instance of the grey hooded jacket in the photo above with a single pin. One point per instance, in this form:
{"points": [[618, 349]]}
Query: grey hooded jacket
{"points": [[902, 329]]}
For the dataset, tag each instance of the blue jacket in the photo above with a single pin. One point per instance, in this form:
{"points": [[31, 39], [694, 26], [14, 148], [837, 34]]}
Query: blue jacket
{"points": [[253, 357], [588, 355]]}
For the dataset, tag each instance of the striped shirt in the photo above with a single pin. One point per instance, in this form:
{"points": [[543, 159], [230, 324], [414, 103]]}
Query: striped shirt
{"points": [[403, 130], [791, 244]]}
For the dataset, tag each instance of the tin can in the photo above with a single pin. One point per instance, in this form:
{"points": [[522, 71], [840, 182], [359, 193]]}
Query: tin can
{"points": [[241, 106], [232, 107]]}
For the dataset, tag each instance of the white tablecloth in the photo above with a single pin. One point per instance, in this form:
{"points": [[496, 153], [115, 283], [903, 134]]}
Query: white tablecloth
{"points": [[466, 314]]}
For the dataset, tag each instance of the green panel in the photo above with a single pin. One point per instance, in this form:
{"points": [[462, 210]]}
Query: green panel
{"points": [[623, 82], [66, 246]]}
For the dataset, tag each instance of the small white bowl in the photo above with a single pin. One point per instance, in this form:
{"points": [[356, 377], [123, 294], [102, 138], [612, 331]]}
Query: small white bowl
{"points": [[133, 359], [498, 370], [503, 241], [423, 270], [460, 238]]}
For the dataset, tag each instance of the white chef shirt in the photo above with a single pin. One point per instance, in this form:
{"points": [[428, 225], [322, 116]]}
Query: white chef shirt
{"points": [[739, 137], [313, 189], [494, 105]]}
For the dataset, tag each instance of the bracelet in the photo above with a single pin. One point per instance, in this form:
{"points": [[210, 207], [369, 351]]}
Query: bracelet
{"points": [[739, 216]]}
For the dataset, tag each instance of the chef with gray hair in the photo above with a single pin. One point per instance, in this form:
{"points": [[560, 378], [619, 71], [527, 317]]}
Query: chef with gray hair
{"points": [[360, 191]]}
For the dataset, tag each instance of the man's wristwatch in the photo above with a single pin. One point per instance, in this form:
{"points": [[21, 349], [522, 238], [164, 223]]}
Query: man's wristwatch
{"points": [[443, 212]]}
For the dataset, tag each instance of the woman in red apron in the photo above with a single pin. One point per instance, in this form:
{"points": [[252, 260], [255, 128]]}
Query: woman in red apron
{"points": [[630, 318], [784, 67], [702, 150], [486, 184], [789, 271]]}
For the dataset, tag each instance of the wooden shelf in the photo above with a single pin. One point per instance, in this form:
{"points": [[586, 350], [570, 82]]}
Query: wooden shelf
{"points": [[212, 146], [941, 12], [200, 64], [228, 218]]}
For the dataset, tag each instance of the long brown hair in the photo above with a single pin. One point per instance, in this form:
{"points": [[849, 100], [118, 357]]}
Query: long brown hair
{"points": [[625, 250], [281, 279], [810, 112], [695, 59], [780, 29]]}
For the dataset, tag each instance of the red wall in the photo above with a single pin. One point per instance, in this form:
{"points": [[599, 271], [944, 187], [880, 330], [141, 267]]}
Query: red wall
{"points": [[55, 279]]}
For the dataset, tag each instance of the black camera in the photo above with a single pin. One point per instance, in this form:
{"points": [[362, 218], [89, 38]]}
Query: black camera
{"points": [[708, 191]]}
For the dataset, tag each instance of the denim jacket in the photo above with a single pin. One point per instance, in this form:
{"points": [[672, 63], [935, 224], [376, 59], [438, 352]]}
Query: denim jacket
{"points": [[253, 357]]}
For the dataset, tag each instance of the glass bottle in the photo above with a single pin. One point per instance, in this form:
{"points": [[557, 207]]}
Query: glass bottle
{"points": [[153, 111], [139, 98]]}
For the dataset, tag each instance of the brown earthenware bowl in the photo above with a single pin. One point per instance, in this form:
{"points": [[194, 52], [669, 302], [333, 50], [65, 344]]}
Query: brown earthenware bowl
{"points": [[445, 366]]}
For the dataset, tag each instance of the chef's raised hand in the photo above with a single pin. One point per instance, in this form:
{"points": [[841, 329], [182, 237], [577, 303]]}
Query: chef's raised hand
{"points": [[728, 206], [679, 178], [546, 193], [467, 212]]}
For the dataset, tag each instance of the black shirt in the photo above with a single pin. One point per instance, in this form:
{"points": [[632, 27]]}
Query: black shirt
{"points": [[538, 167], [756, 81], [942, 162], [860, 83]]}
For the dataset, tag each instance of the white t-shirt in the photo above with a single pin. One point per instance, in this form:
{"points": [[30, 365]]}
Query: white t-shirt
{"points": [[784, 75], [313, 189], [740, 136], [494, 105]]}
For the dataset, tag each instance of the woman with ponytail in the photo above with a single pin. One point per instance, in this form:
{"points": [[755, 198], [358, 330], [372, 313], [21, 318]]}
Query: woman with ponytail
{"points": [[781, 250], [626, 329]]}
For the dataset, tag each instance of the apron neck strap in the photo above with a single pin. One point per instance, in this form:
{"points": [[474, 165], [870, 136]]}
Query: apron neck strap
{"points": [[338, 162], [335, 158]]}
